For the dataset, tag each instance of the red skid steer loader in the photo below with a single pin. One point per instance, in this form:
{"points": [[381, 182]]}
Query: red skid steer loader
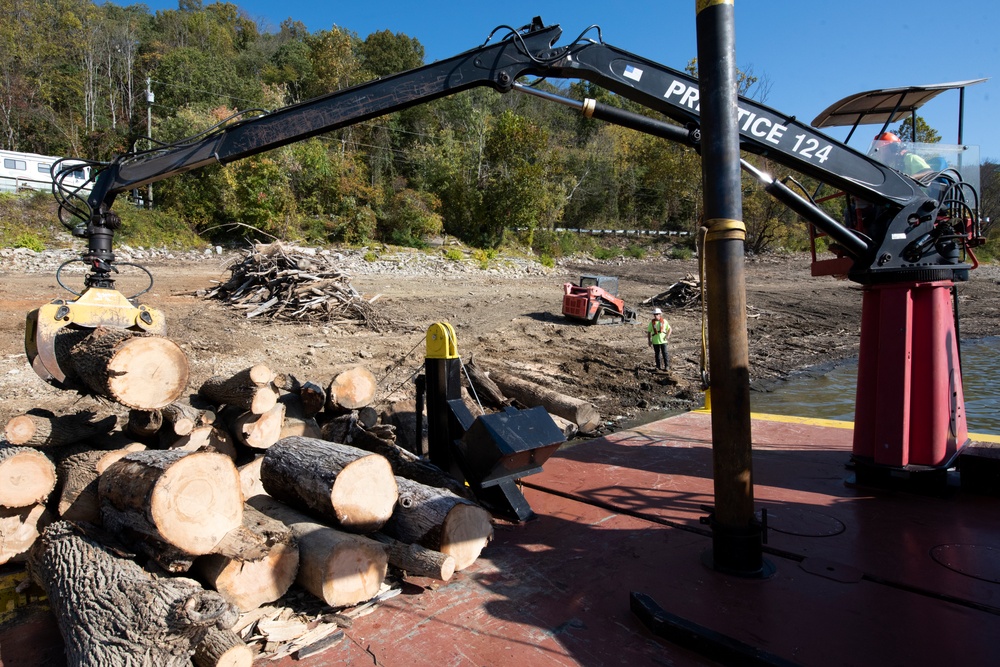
{"points": [[595, 301]]}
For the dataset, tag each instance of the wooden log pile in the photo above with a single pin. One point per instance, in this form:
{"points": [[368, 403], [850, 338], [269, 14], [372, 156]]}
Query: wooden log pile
{"points": [[218, 504], [685, 293], [280, 282]]}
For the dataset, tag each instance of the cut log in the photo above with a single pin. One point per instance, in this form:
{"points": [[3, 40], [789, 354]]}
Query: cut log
{"points": [[580, 412], [188, 500], [111, 612], [41, 428], [250, 483], [222, 648], [296, 422], [78, 474], [403, 415], [568, 428], [143, 424], [406, 464], [249, 583], [441, 521], [137, 370], [312, 395], [350, 486], [243, 390], [19, 528], [339, 568], [486, 389], [182, 417], [416, 560], [27, 477], [206, 437], [259, 431], [367, 417], [338, 429], [350, 389]]}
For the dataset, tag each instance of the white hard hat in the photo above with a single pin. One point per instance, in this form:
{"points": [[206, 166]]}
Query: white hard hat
{"points": [[657, 311]]}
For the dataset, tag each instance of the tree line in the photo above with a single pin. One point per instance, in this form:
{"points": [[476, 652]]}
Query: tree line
{"points": [[477, 165]]}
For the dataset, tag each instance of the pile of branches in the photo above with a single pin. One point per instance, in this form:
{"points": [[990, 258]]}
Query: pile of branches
{"points": [[279, 282], [685, 293]]}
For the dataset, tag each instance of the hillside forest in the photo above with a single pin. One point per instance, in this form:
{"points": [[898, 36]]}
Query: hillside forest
{"points": [[486, 168]]}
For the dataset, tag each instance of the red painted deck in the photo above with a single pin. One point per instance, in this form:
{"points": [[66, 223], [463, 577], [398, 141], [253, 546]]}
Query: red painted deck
{"points": [[863, 576]]}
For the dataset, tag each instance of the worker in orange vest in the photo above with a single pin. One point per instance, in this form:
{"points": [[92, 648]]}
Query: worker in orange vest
{"points": [[657, 334]]}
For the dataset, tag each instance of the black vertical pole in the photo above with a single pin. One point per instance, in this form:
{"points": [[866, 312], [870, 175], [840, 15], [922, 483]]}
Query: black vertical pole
{"points": [[442, 368], [736, 535]]}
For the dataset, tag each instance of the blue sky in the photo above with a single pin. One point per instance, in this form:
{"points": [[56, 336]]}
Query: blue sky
{"points": [[812, 53]]}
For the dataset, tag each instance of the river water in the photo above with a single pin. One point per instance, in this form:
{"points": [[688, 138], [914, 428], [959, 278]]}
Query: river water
{"points": [[828, 393]]}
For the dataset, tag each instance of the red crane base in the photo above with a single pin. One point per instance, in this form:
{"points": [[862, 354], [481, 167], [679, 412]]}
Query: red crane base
{"points": [[910, 409]]}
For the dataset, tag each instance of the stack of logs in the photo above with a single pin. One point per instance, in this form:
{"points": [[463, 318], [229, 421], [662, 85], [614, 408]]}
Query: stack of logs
{"points": [[685, 293], [152, 538]]}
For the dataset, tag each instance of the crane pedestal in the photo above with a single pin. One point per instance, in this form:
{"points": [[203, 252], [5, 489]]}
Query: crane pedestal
{"points": [[910, 410]]}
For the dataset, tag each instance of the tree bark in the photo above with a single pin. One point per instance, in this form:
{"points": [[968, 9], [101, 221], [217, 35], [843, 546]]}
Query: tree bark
{"points": [[416, 560], [27, 477], [222, 648], [182, 417], [312, 395], [111, 612], [249, 583], [207, 437], [441, 521], [351, 389], [188, 500], [42, 428], [580, 412], [350, 486], [407, 464], [19, 528], [144, 424], [339, 568], [78, 475], [139, 371], [246, 390], [403, 415], [486, 389]]}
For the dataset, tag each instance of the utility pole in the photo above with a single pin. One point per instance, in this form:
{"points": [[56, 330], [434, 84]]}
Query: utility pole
{"points": [[149, 133]]}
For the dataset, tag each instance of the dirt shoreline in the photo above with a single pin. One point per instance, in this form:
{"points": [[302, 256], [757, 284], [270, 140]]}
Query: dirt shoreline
{"points": [[507, 317]]}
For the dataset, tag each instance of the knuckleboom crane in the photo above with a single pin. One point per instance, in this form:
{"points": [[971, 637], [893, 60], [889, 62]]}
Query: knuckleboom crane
{"points": [[915, 243]]}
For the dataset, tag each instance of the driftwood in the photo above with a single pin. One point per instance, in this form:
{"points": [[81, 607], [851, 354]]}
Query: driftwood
{"points": [[187, 500], [441, 521], [27, 477], [580, 412], [339, 568], [281, 282], [137, 370], [251, 582], [42, 428], [19, 528], [350, 389], [350, 486], [111, 612], [249, 389]]}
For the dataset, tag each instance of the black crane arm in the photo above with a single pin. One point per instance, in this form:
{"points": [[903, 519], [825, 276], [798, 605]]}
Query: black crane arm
{"points": [[531, 51]]}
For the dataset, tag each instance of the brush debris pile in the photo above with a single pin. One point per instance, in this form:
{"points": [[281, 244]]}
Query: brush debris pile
{"points": [[286, 283]]}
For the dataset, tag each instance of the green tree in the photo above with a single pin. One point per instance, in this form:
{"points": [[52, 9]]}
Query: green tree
{"points": [[925, 133]]}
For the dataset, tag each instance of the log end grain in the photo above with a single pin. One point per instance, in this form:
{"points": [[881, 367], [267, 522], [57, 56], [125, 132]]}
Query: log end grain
{"points": [[27, 476], [465, 533], [197, 501], [364, 494]]}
